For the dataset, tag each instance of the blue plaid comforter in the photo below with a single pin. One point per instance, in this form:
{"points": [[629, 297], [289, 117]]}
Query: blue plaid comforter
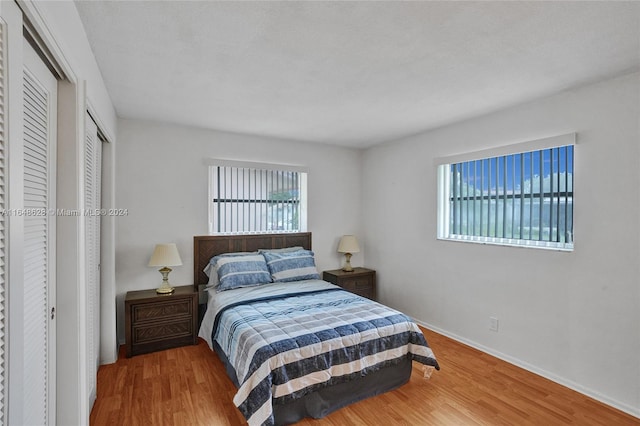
{"points": [[287, 340]]}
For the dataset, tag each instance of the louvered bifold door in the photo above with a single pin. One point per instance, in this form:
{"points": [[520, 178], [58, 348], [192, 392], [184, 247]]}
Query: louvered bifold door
{"points": [[39, 99], [3, 227], [93, 151]]}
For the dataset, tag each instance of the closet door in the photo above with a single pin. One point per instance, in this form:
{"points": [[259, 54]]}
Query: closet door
{"points": [[93, 171], [39, 110], [3, 227]]}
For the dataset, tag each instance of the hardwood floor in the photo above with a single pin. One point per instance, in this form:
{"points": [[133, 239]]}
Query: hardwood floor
{"points": [[188, 386]]}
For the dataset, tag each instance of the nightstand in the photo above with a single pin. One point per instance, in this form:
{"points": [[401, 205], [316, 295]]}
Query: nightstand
{"points": [[361, 281], [155, 322]]}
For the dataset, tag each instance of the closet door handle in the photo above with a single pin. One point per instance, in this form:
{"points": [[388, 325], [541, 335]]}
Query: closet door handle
{"points": [[53, 313]]}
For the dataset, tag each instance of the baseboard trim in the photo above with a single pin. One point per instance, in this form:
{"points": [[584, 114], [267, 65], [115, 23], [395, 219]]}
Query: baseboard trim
{"points": [[536, 370]]}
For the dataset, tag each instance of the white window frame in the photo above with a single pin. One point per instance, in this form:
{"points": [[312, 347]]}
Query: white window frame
{"points": [[213, 164], [443, 190]]}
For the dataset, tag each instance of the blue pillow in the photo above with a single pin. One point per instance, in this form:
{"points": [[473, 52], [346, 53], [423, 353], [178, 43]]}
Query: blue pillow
{"points": [[211, 269], [292, 266], [281, 250], [235, 270]]}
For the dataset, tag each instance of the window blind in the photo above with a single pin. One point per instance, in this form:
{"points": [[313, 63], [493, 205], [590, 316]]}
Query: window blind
{"points": [[250, 199], [523, 198]]}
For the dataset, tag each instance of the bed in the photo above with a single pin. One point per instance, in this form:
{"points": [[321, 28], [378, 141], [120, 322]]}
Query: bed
{"points": [[298, 347]]}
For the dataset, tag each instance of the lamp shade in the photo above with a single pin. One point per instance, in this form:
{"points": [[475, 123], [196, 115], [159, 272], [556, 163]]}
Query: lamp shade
{"points": [[165, 255], [348, 244]]}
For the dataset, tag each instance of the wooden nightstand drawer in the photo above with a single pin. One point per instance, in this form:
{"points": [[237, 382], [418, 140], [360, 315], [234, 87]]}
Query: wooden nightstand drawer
{"points": [[361, 281], [164, 330], [160, 321], [357, 284], [167, 309], [360, 287]]}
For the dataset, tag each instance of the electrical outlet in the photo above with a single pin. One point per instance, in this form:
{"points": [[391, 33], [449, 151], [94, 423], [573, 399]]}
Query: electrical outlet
{"points": [[493, 324]]}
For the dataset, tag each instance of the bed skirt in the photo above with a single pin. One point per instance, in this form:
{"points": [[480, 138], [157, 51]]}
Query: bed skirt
{"points": [[324, 401]]}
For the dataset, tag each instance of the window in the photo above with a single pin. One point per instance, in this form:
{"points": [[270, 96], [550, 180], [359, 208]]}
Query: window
{"points": [[522, 198], [254, 197]]}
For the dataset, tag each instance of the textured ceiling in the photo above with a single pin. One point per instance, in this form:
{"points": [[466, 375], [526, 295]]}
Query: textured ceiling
{"points": [[349, 73]]}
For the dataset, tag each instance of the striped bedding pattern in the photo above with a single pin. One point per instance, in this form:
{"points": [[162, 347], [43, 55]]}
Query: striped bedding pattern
{"points": [[287, 340], [291, 266], [235, 270]]}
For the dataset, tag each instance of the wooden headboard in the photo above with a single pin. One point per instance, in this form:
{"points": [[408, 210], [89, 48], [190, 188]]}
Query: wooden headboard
{"points": [[207, 246]]}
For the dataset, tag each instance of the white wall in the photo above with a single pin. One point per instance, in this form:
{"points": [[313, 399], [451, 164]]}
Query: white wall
{"points": [[573, 317], [162, 181]]}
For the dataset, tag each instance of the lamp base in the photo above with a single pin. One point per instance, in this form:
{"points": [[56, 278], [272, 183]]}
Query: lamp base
{"points": [[165, 288], [347, 264]]}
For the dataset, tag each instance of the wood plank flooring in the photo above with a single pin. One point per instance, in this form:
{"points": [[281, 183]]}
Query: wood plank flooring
{"points": [[188, 386]]}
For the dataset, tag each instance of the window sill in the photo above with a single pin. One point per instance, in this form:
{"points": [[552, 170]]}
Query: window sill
{"points": [[509, 242]]}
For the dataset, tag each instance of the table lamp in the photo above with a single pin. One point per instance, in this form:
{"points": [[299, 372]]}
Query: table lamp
{"points": [[348, 245], [165, 255]]}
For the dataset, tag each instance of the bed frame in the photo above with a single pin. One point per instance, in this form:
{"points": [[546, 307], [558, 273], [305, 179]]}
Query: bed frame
{"points": [[322, 402]]}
